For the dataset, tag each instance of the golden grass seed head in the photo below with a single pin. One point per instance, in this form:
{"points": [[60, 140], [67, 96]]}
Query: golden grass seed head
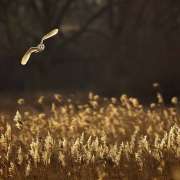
{"points": [[42, 115], [28, 168], [17, 116], [174, 100], [9, 150], [90, 96], [12, 169], [34, 151], [160, 98], [113, 100], [41, 99], [18, 120], [156, 85], [58, 97], [61, 157], [27, 113], [8, 133], [20, 156], [21, 101]]}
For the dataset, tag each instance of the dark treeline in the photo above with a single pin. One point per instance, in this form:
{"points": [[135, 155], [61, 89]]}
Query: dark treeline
{"points": [[110, 46]]}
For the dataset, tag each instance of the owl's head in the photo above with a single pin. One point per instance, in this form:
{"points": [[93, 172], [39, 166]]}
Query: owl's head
{"points": [[41, 47]]}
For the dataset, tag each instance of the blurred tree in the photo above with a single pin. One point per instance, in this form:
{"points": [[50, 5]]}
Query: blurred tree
{"points": [[118, 34], [25, 21]]}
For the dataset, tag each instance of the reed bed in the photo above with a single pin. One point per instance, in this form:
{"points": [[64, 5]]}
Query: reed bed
{"points": [[101, 138]]}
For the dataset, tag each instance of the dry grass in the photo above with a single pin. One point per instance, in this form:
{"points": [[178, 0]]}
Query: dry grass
{"points": [[100, 139]]}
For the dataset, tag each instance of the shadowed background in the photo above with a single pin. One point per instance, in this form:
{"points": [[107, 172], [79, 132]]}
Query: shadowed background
{"points": [[107, 46]]}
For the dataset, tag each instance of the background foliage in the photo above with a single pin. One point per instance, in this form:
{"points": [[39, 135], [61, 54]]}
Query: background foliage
{"points": [[107, 45]]}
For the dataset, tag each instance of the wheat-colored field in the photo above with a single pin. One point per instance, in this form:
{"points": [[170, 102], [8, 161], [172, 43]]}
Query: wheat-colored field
{"points": [[100, 138]]}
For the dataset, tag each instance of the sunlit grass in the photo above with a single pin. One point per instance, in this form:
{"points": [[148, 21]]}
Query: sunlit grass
{"points": [[115, 138]]}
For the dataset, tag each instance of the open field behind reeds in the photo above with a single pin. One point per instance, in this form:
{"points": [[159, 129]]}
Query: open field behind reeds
{"points": [[99, 138]]}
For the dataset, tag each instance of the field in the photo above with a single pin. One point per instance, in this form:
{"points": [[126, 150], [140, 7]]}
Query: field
{"points": [[95, 139]]}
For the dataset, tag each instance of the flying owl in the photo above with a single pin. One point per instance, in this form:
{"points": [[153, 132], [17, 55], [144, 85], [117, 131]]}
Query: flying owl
{"points": [[39, 48]]}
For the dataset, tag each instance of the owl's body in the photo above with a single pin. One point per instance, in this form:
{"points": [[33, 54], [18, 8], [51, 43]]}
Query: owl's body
{"points": [[39, 48]]}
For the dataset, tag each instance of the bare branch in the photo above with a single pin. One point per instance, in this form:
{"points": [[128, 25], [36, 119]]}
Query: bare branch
{"points": [[87, 24], [60, 13]]}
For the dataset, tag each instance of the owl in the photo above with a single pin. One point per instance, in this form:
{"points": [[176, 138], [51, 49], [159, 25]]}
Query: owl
{"points": [[39, 48]]}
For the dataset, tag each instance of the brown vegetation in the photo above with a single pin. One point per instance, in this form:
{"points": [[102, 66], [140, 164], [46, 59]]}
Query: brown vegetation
{"points": [[100, 139]]}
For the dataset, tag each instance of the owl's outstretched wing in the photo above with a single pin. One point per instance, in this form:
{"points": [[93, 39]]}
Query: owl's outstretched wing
{"points": [[27, 55], [50, 34]]}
